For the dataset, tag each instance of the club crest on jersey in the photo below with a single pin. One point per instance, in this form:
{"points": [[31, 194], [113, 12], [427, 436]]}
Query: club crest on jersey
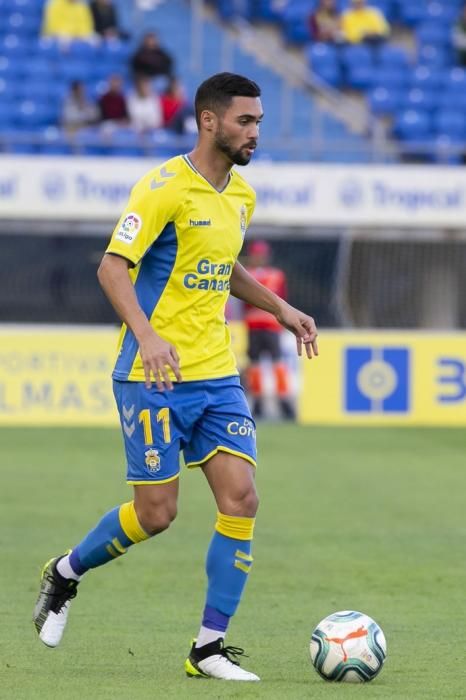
{"points": [[152, 460], [242, 220], [129, 228]]}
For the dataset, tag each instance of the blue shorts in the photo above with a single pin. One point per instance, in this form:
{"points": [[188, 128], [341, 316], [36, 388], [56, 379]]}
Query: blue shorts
{"points": [[198, 418]]}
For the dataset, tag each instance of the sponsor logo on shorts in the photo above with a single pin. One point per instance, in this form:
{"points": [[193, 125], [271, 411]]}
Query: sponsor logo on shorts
{"points": [[152, 460], [244, 429], [129, 228]]}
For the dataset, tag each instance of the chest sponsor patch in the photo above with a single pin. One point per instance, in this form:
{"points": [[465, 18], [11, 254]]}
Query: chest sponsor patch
{"points": [[129, 228]]}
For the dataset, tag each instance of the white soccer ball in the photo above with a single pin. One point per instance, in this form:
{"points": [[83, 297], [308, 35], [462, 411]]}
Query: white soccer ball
{"points": [[348, 646]]}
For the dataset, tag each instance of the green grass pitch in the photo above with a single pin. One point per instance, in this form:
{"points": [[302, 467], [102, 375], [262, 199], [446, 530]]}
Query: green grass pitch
{"points": [[371, 520]]}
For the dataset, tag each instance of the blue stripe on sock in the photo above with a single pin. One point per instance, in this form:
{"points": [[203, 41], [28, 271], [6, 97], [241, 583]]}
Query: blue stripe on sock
{"points": [[76, 565], [214, 619]]}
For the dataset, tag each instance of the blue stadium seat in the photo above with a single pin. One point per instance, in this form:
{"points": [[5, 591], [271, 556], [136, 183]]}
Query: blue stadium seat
{"points": [[412, 12], [126, 142], [41, 91], [450, 122], [434, 56], [18, 141], [393, 57], [295, 24], [24, 25], [447, 149], [417, 99], [455, 79], [8, 89], [390, 78], [8, 68], [55, 142], [90, 142], [436, 33], [6, 114], [49, 48], [40, 69], [443, 12], [79, 50], [30, 114], [412, 125], [427, 78], [29, 7], [324, 62], [266, 10], [116, 50], [358, 63], [77, 70], [384, 101], [13, 45], [451, 98]]}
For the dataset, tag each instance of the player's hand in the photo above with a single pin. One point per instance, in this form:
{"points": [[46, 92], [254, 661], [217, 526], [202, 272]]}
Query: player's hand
{"points": [[157, 356], [302, 326]]}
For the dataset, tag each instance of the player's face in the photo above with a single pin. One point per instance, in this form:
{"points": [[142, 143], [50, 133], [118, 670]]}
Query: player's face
{"points": [[237, 130]]}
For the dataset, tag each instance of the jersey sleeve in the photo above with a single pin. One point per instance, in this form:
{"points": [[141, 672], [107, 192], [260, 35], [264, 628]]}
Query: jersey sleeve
{"points": [[153, 204], [250, 207]]}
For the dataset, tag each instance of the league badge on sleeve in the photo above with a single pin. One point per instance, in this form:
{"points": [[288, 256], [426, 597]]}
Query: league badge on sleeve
{"points": [[129, 228]]}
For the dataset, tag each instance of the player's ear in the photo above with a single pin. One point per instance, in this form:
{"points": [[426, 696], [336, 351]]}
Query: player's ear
{"points": [[207, 120]]}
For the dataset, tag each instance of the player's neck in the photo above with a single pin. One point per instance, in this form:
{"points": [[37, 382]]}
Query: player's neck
{"points": [[212, 165]]}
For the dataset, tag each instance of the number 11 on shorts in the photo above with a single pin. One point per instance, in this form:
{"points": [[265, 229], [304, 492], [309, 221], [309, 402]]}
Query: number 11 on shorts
{"points": [[162, 416]]}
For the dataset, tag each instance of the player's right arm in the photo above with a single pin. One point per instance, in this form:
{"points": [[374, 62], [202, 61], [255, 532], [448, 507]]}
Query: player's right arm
{"points": [[153, 204], [156, 353]]}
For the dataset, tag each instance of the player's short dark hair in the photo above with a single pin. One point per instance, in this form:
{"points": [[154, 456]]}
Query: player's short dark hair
{"points": [[217, 92]]}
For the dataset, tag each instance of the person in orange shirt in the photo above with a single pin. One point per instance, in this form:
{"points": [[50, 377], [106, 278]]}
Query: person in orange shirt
{"points": [[264, 334], [362, 23]]}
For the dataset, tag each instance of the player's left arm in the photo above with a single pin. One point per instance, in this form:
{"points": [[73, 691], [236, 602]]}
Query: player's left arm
{"points": [[245, 287]]}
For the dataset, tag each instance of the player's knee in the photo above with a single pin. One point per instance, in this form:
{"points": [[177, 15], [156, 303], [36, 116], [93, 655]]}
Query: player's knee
{"points": [[244, 503], [156, 519]]}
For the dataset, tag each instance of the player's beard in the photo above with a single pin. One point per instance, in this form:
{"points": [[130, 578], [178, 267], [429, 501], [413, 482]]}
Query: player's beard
{"points": [[222, 143]]}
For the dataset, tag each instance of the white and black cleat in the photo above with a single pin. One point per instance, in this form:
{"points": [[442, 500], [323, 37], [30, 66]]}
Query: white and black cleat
{"points": [[52, 606], [214, 660]]}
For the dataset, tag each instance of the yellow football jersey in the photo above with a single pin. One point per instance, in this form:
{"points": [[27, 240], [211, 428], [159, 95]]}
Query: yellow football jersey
{"points": [[183, 237]]}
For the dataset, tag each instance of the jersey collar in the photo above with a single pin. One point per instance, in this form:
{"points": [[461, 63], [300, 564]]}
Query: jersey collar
{"points": [[188, 161]]}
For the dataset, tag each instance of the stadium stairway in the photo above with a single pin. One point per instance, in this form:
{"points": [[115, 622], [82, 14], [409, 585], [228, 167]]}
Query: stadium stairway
{"points": [[419, 92]]}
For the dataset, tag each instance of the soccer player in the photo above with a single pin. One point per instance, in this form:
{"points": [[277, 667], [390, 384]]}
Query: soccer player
{"points": [[168, 270], [264, 333]]}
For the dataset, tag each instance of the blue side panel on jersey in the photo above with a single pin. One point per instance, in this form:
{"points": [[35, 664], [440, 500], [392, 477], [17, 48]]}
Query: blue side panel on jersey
{"points": [[398, 358], [355, 400], [155, 271]]}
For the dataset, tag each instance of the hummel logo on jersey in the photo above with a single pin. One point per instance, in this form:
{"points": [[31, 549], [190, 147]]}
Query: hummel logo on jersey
{"points": [[164, 175], [200, 222]]}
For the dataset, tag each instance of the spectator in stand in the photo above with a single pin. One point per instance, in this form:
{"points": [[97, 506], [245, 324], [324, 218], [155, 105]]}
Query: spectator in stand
{"points": [[150, 59], [78, 112], [325, 22], [175, 107], [459, 37], [67, 20], [144, 106], [105, 19], [112, 103], [362, 23], [264, 334]]}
